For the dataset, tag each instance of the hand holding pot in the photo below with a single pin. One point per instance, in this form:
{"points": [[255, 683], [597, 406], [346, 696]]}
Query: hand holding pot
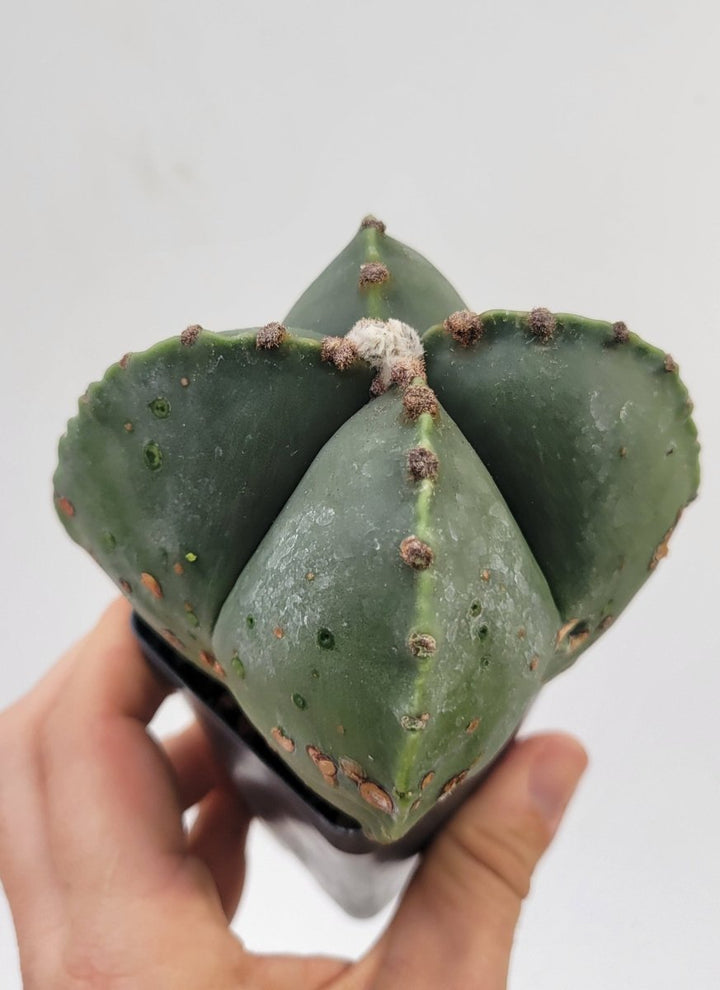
{"points": [[108, 889]]}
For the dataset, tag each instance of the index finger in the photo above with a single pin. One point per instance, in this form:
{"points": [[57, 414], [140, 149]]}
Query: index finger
{"points": [[57, 778], [112, 675], [111, 796]]}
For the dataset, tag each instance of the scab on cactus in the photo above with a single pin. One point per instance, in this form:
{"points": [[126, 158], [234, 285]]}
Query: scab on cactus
{"points": [[386, 520]]}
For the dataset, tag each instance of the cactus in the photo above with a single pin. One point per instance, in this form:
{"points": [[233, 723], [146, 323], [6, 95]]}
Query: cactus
{"points": [[386, 521]]}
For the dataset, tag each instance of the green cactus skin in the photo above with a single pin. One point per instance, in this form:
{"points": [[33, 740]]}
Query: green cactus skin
{"points": [[375, 276], [181, 458], [337, 610], [383, 568], [589, 437]]}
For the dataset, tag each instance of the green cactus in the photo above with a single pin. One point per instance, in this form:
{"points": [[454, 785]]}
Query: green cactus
{"points": [[383, 540]]}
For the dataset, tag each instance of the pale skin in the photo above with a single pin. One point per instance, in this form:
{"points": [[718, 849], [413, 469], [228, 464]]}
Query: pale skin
{"points": [[109, 890]]}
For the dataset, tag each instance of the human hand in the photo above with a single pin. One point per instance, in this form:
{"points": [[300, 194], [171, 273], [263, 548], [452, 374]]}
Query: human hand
{"points": [[108, 890]]}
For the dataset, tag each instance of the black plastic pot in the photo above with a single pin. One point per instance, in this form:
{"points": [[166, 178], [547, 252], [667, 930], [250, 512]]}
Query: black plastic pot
{"points": [[361, 875]]}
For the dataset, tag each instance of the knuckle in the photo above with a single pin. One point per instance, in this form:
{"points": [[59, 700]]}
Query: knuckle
{"points": [[508, 855]]}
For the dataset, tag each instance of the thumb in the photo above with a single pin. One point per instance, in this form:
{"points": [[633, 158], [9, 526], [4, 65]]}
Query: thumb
{"points": [[455, 925]]}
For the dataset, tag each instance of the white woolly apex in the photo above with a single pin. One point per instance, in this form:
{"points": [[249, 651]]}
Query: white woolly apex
{"points": [[385, 343]]}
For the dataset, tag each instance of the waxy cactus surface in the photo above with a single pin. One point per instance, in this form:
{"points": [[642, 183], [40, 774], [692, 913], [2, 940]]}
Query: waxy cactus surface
{"points": [[385, 522]]}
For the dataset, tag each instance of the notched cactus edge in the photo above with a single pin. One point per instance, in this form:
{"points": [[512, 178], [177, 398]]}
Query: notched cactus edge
{"points": [[386, 520]]}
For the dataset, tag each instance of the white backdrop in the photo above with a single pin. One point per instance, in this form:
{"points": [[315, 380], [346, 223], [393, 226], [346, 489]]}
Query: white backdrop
{"points": [[167, 162]]}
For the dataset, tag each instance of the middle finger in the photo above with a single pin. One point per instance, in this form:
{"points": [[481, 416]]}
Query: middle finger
{"points": [[193, 764]]}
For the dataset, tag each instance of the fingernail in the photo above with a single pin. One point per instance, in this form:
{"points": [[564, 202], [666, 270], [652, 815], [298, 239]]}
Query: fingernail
{"points": [[554, 776]]}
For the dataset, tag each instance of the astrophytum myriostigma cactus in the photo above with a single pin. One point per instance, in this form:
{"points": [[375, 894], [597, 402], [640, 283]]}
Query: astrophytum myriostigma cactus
{"points": [[385, 522]]}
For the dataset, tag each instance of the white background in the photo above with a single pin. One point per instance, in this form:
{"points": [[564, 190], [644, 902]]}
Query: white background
{"points": [[166, 162]]}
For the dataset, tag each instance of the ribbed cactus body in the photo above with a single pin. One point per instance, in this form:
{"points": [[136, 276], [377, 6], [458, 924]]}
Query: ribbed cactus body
{"points": [[383, 542], [589, 437], [181, 458], [363, 649], [375, 276]]}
